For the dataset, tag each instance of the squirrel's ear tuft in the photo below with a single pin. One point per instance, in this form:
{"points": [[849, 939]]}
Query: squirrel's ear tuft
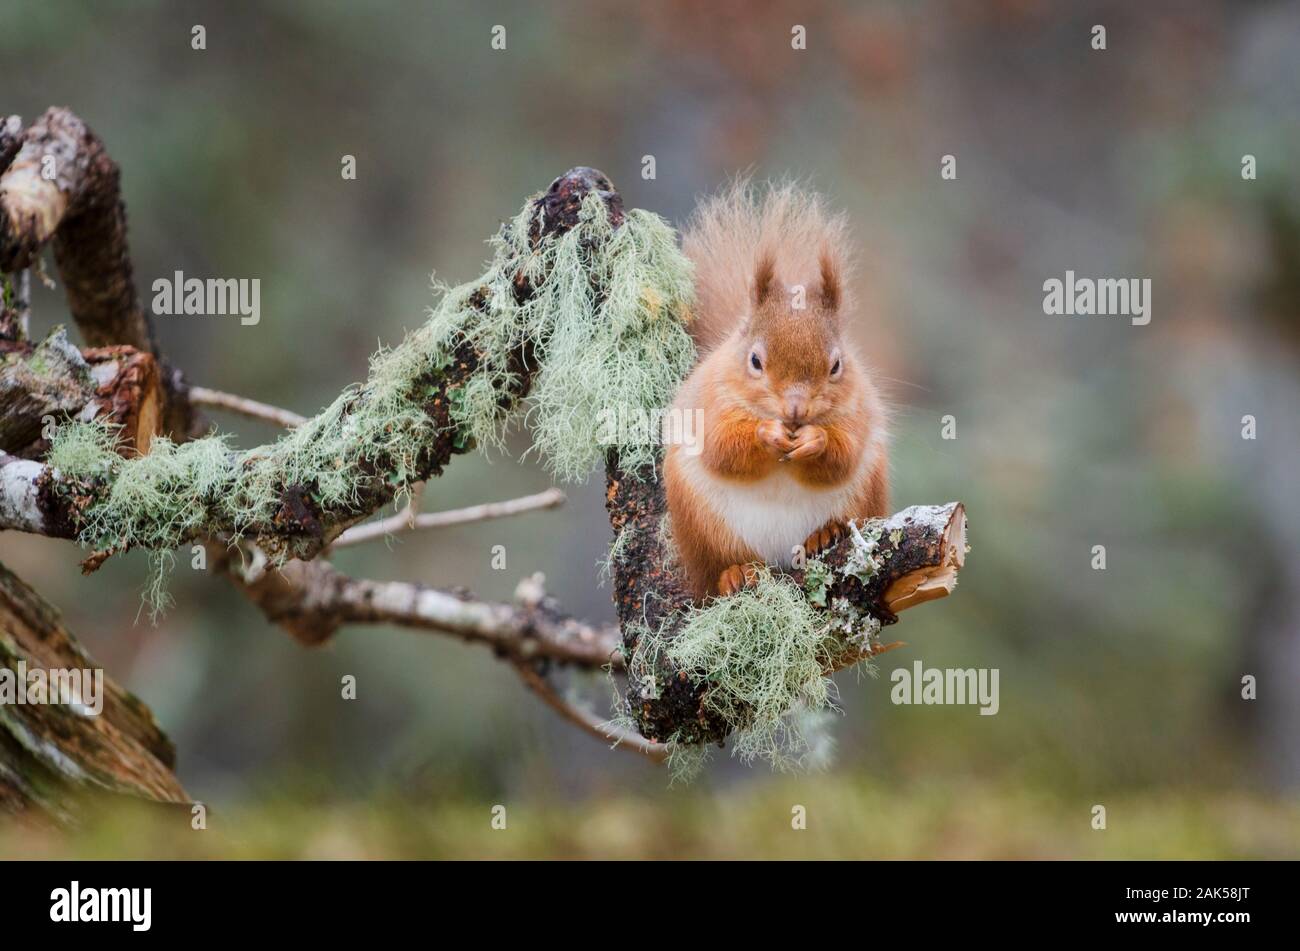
{"points": [[764, 277], [831, 290]]}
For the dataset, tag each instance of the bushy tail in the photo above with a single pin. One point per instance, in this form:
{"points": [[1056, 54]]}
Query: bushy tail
{"points": [[730, 231]]}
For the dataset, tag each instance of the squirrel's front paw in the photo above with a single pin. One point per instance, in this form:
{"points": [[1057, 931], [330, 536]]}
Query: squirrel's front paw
{"points": [[823, 538], [772, 433], [736, 578], [809, 442]]}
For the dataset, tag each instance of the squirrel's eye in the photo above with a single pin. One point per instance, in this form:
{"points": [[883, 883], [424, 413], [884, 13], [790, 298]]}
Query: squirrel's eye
{"points": [[756, 363], [835, 368]]}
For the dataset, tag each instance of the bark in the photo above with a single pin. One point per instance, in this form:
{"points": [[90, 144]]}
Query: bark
{"points": [[11, 139], [30, 500], [61, 188], [54, 379], [50, 754]]}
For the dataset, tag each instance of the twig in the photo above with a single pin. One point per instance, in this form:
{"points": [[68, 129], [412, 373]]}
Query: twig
{"points": [[243, 406], [408, 520], [588, 721]]}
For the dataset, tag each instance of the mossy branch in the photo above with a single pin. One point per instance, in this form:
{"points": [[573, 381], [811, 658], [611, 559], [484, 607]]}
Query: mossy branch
{"points": [[582, 309], [572, 312], [757, 663]]}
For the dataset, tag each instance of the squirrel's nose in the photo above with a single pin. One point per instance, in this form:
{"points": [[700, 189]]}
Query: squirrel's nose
{"points": [[796, 406]]}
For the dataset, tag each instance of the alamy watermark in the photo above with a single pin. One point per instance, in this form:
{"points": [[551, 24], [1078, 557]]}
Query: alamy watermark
{"points": [[80, 689], [947, 685], [1100, 297], [133, 906], [625, 425], [214, 297]]}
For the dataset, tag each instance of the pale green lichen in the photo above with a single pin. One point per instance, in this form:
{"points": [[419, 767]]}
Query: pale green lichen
{"points": [[605, 567], [817, 578], [865, 558], [83, 450], [856, 629], [603, 324], [762, 656], [686, 761]]}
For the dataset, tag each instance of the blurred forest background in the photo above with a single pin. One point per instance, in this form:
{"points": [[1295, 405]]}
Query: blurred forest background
{"points": [[1119, 687]]}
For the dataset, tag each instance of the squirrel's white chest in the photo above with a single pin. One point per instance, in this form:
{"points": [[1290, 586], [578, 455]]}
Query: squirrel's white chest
{"points": [[771, 515]]}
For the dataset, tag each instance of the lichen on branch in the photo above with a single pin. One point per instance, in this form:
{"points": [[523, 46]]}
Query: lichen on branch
{"points": [[579, 319], [589, 317], [753, 669], [604, 326], [761, 659]]}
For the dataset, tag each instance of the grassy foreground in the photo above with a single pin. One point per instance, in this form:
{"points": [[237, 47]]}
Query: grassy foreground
{"points": [[846, 819]]}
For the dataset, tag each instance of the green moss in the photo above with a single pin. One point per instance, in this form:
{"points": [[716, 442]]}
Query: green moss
{"points": [[686, 761], [603, 322], [866, 559], [605, 567], [762, 655], [817, 579]]}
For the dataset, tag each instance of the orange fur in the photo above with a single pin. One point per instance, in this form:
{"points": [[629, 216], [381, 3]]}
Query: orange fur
{"points": [[730, 233], [794, 429]]}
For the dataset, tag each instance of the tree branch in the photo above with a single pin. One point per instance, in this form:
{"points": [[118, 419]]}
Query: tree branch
{"points": [[79, 211], [62, 187], [586, 720], [408, 520], [924, 548], [312, 599], [927, 547], [300, 525]]}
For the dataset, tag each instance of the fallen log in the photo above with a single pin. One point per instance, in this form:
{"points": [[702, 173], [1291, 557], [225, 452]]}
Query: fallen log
{"points": [[51, 754]]}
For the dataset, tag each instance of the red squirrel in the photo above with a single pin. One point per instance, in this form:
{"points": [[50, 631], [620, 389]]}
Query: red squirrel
{"points": [[793, 440]]}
